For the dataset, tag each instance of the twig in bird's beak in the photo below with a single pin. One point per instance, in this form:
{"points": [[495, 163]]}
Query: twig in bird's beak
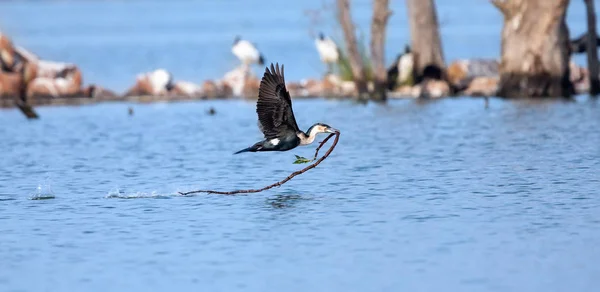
{"points": [[332, 130]]}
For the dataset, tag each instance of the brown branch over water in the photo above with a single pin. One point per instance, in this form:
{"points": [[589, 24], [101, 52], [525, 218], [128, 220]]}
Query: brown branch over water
{"points": [[279, 183], [323, 143]]}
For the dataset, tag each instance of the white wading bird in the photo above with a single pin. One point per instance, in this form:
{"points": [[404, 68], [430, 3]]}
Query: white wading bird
{"points": [[246, 52], [328, 51]]}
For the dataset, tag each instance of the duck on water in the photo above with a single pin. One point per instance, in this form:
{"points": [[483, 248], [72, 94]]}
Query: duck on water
{"points": [[276, 117]]}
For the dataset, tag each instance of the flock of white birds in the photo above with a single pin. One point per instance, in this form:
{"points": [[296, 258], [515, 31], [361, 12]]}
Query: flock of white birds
{"points": [[329, 53], [249, 54]]}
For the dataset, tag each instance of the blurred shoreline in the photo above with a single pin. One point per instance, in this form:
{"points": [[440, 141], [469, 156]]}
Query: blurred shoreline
{"points": [[111, 43]]}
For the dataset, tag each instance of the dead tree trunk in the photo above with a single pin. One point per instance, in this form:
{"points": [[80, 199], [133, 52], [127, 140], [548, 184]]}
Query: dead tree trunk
{"points": [[425, 39], [381, 13], [592, 51], [535, 49], [358, 68]]}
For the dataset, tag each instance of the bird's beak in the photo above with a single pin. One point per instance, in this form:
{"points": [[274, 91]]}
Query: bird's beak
{"points": [[332, 130]]}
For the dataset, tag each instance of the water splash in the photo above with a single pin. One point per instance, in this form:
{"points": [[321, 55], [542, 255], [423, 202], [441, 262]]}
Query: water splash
{"points": [[119, 194], [43, 192]]}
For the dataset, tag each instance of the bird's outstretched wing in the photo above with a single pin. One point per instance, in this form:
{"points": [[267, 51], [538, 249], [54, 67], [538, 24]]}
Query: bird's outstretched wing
{"points": [[274, 106]]}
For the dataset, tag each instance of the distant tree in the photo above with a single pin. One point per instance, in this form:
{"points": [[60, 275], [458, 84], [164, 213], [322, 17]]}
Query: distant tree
{"points": [[535, 49], [592, 51], [425, 38], [355, 59], [381, 13]]}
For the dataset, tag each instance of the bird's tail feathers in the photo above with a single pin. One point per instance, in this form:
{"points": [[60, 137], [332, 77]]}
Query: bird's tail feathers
{"points": [[252, 148]]}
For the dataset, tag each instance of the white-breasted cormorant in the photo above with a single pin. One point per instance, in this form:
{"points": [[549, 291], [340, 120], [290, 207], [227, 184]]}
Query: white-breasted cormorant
{"points": [[246, 52], [400, 72], [276, 117]]}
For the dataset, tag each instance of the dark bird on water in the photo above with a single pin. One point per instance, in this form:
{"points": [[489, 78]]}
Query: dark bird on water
{"points": [[276, 117]]}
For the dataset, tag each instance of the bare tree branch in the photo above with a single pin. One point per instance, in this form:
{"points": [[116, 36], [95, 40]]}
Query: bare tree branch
{"points": [[279, 183]]}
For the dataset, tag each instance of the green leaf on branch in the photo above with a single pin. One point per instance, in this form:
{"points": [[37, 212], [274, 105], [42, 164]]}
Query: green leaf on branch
{"points": [[300, 160]]}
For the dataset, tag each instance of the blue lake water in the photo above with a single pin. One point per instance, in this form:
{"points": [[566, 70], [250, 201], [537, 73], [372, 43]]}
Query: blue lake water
{"points": [[418, 196], [497, 199]]}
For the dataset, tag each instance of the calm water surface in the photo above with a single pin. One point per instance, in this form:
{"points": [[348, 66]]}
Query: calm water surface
{"points": [[432, 196]]}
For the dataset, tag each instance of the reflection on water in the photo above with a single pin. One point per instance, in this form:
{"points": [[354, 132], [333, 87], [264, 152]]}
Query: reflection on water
{"points": [[283, 201]]}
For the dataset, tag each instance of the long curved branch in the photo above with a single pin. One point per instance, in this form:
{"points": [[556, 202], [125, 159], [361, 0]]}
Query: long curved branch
{"points": [[323, 143], [279, 183]]}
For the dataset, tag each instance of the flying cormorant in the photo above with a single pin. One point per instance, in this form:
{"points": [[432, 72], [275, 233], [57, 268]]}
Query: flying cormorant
{"points": [[276, 117]]}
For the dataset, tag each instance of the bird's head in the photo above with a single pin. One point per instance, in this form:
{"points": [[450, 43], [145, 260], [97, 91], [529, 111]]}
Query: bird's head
{"points": [[237, 39], [311, 134], [321, 128], [321, 36]]}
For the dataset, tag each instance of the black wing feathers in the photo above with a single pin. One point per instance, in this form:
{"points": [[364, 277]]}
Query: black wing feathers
{"points": [[274, 106]]}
